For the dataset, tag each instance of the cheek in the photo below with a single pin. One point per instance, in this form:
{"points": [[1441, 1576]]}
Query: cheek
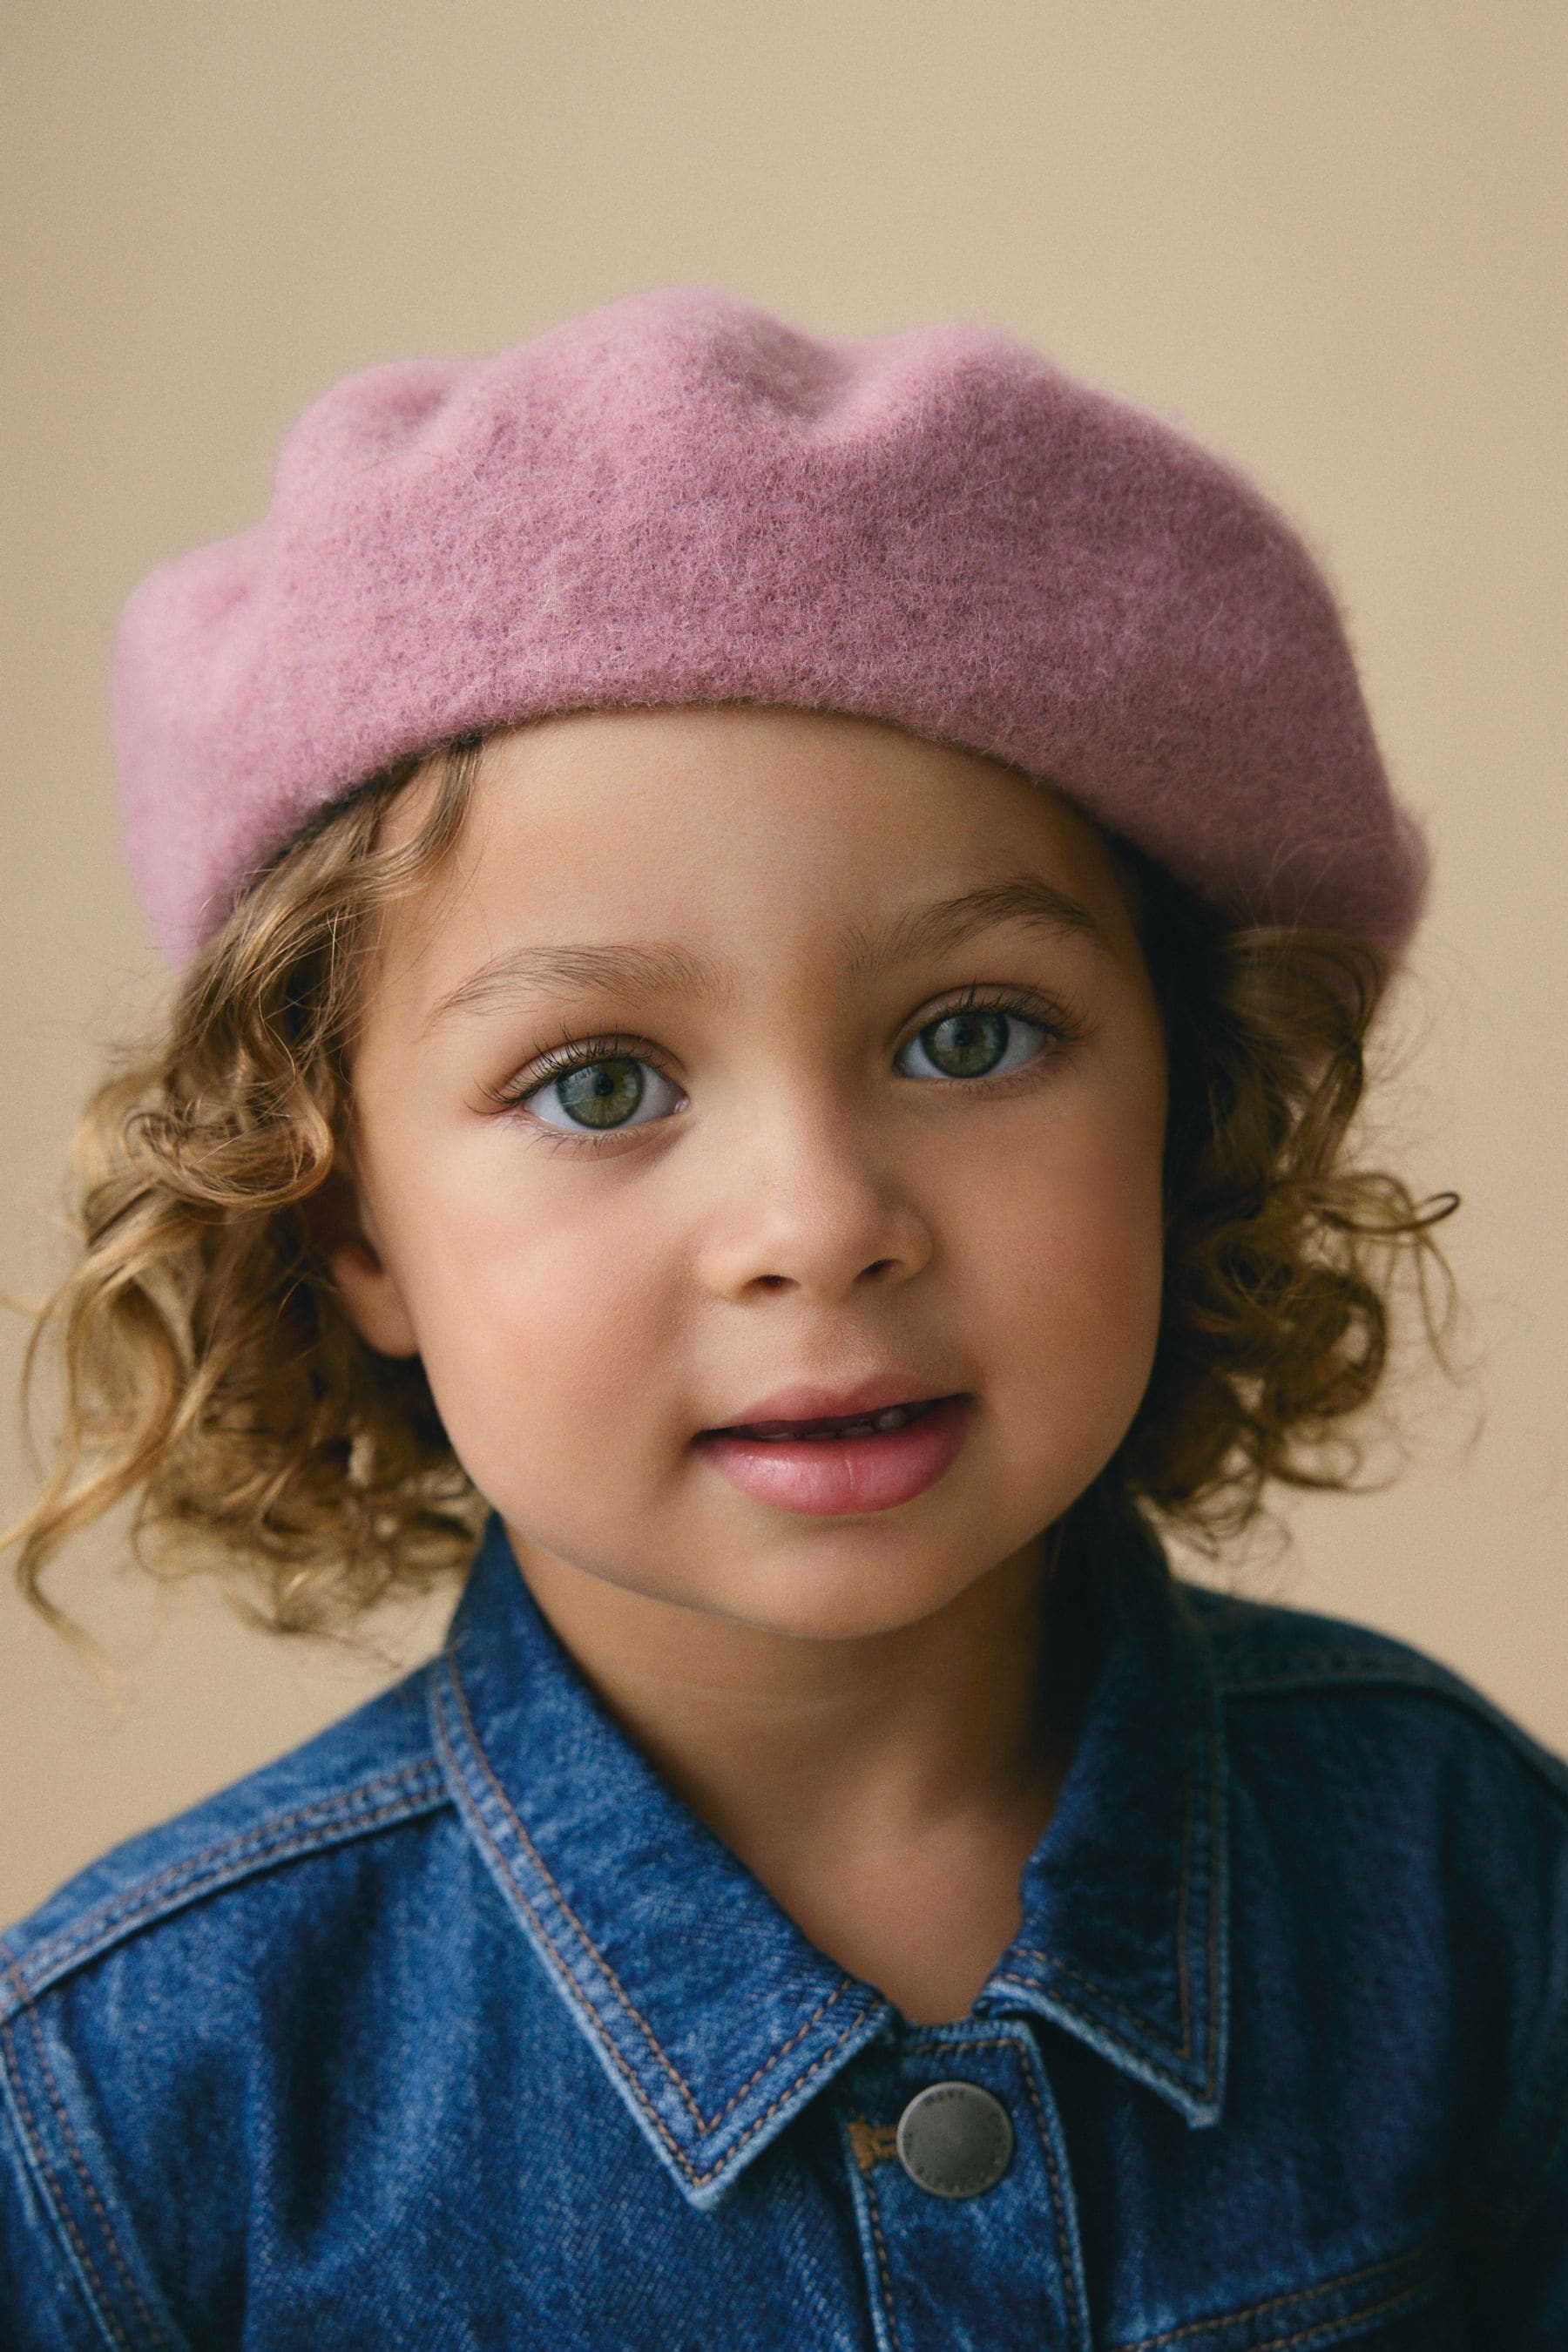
{"points": [[537, 1333], [1068, 1253]]}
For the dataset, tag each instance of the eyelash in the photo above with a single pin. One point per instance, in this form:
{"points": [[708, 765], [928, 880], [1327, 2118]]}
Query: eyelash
{"points": [[570, 1053]]}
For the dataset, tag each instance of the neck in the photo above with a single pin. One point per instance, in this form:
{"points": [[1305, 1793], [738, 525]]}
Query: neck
{"points": [[793, 1751]]}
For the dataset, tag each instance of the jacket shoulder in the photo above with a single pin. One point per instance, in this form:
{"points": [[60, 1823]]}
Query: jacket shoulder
{"points": [[1260, 1649], [372, 1770], [1397, 1803]]}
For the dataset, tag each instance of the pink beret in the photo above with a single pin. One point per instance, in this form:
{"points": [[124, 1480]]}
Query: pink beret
{"points": [[680, 497]]}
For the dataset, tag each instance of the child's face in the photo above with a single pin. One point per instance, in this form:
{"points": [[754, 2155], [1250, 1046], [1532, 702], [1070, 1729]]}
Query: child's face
{"points": [[792, 1184]]}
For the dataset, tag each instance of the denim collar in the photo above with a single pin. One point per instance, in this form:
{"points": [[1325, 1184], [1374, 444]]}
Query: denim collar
{"points": [[714, 2014]]}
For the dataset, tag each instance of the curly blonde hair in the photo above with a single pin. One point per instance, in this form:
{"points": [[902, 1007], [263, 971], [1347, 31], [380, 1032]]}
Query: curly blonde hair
{"points": [[210, 1374]]}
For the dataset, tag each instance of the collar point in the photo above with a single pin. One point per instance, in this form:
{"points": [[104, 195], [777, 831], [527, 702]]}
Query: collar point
{"points": [[705, 2166]]}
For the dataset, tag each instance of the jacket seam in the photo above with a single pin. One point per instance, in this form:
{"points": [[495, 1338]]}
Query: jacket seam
{"points": [[698, 2180], [883, 2274], [1061, 1968], [1021, 2051], [1059, 2208], [47, 2178], [1159, 2057], [1252, 2311], [1346, 1666], [1549, 1770], [123, 1914], [704, 2123], [103, 2311], [1160, 2048]]}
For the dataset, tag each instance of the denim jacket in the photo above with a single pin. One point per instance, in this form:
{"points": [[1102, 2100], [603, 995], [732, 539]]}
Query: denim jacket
{"points": [[455, 2028]]}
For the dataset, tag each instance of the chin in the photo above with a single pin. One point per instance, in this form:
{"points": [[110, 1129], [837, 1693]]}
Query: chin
{"points": [[845, 1604]]}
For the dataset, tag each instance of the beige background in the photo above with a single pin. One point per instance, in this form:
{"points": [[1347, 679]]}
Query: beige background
{"points": [[1329, 235]]}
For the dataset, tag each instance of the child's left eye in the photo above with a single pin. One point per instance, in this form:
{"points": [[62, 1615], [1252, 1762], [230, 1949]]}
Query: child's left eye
{"points": [[971, 1041]]}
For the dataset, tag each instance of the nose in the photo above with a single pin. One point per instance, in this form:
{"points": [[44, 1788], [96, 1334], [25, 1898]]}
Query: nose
{"points": [[811, 1199]]}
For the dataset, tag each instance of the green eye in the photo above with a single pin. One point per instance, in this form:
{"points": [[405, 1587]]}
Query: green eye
{"points": [[972, 1042], [596, 1096], [967, 1044], [602, 1094]]}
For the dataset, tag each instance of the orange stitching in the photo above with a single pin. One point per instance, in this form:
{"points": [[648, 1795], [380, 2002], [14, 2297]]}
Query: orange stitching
{"points": [[1408, 2295], [63, 1945], [1243, 1674], [698, 2180], [36, 2144], [868, 2140], [582, 1935], [704, 2123], [882, 2270], [1296, 2294], [344, 1798], [771, 2108], [307, 1843], [88, 2183], [1031, 1984], [81, 2164], [1058, 2202], [1031, 1952], [1021, 2051], [783, 2050]]}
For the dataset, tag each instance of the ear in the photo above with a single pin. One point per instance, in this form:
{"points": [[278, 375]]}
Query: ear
{"points": [[366, 1289]]}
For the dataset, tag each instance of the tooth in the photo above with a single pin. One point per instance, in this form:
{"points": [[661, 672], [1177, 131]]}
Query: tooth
{"points": [[869, 1424]]}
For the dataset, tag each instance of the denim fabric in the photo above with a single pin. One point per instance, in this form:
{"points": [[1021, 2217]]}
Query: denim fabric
{"points": [[454, 2028]]}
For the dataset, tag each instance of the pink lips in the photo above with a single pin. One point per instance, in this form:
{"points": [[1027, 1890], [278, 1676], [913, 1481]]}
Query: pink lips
{"points": [[804, 1402], [835, 1475]]}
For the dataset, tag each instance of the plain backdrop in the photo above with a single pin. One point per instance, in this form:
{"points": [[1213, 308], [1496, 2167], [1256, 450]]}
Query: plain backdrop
{"points": [[1329, 237]]}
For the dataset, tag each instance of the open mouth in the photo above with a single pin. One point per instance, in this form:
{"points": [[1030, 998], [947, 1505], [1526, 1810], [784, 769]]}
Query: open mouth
{"points": [[843, 1464], [872, 1424]]}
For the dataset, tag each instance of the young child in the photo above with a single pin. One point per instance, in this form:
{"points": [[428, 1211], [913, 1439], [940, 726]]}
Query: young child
{"points": [[776, 935]]}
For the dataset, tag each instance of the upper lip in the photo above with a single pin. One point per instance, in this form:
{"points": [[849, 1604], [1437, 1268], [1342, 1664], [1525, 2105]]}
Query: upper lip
{"points": [[804, 1402]]}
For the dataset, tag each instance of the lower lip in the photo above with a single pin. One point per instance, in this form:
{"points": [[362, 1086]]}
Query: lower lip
{"points": [[832, 1476]]}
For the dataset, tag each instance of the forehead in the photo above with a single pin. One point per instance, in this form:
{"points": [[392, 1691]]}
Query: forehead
{"points": [[738, 823]]}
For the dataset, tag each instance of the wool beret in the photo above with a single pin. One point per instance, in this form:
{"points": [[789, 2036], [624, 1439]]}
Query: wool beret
{"points": [[680, 498]]}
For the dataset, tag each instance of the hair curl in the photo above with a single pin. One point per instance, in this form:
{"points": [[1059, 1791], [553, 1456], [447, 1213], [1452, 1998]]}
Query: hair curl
{"points": [[1282, 1253], [211, 1375]]}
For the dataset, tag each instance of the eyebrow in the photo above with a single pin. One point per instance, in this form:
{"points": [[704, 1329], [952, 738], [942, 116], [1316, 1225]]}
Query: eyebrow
{"points": [[665, 968]]}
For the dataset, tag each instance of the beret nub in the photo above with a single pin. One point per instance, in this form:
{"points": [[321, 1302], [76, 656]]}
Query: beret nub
{"points": [[680, 497]]}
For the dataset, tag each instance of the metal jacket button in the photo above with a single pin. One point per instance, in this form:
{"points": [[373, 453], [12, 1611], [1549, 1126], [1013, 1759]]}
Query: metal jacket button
{"points": [[954, 2139]]}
